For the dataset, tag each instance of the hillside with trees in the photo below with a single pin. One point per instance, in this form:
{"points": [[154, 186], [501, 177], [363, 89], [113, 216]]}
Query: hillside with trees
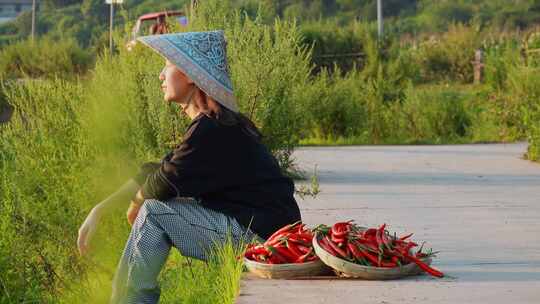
{"points": [[87, 21]]}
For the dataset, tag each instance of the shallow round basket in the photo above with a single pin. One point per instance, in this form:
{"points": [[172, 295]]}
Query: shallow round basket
{"points": [[347, 269], [287, 271]]}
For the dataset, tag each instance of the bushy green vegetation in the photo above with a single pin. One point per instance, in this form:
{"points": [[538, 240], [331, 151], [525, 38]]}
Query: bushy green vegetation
{"points": [[524, 95], [39, 185], [87, 20], [421, 91], [44, 58], [72, 142]]}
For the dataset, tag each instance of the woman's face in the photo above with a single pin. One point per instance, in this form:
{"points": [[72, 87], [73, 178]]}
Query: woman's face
{"points": [[175, 84]]}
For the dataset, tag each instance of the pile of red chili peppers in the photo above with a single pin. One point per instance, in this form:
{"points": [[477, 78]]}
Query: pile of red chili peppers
{"points": [[290, 244], [372, 247]]}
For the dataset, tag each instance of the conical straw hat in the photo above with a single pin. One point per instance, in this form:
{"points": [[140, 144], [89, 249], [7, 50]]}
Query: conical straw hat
{"points": [[202, 56]]}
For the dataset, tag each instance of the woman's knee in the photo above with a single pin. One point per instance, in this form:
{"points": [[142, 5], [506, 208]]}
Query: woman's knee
{"points": [[153, 206], [149, 207]]}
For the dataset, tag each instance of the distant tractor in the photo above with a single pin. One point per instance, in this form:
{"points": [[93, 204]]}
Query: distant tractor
{"points": [[160, 25]]}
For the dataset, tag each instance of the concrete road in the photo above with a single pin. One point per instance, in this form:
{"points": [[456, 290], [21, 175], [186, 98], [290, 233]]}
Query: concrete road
{"points": [[478, 204]]}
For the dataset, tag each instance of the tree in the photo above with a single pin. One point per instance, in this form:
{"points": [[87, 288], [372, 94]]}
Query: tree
{"points": [[95, 9], [58, 3]]}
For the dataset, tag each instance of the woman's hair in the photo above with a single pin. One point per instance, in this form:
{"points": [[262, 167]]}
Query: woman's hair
{"points": [[213, 109]]}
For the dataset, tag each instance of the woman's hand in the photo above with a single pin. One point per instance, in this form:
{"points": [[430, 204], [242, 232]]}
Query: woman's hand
{"points": [[117, 199], [87, 231], [134, 207], [132, 212]]}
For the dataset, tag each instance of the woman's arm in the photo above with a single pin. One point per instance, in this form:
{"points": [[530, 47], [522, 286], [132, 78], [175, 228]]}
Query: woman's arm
{"points": [[119, 198]]}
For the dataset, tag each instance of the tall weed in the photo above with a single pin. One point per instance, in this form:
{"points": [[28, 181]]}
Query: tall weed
{"points": [[434, 115]]}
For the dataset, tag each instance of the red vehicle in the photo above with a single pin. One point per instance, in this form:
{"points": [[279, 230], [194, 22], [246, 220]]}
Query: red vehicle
{"points": [[160, 24]]}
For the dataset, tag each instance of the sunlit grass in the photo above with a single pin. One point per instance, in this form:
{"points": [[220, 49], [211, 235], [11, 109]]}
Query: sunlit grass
{"points": [[360, 141], [192, 281], [182, 280]]}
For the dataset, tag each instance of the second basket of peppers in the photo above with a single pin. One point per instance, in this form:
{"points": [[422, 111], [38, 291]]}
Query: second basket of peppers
{"points": [[287, 253], [370, 253]]}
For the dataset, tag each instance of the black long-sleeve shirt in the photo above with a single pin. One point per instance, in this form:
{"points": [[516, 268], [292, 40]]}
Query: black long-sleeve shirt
{"points": [[230, 171]]}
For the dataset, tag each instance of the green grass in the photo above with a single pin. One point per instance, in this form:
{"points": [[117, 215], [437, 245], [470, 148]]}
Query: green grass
{"points": [[340, 141], [73, 141], [69, 145], [62, 153], [215, 282], [356, 141], [182, 280]]}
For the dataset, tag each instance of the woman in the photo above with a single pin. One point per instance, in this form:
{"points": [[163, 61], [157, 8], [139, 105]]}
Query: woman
{"points": [[220, 179]]}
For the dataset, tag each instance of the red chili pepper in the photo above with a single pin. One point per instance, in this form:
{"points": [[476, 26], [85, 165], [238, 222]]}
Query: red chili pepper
{"points": [[424, 266], [296, 239], [304, 236], [358, 256], [371, 258], [281, 245], [370, 240], [341, 229], [355, 251], [409, 246], [304, 249], [386, 241], [395, 259], [379, 241], [322, 229], [300, 228], [405, 237], [285, 228], [280, 259], [275, 260], [401, 242], [312, 258], [324, 244], [421, 255], [303, 258], [278, 238], [256, 251], [336, 239], [339, 251], [347, 250], [379, 237], [388, 264], [294, 249], [369, 245], [289, 256], [369, 232]]}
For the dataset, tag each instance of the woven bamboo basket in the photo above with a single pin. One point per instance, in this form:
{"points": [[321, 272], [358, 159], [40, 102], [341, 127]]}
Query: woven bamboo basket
{"points": [[287, 271], [348, 269]]}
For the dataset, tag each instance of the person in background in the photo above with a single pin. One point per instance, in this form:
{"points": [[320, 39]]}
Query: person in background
{"points": [[160, 26]]}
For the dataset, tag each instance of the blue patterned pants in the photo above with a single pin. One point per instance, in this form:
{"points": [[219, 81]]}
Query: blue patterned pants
{"points": [[180, 222]]}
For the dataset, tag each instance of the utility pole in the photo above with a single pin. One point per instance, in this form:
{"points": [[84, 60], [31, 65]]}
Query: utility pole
{"points": [[380, 18], [33, 20], [111, 21], [111, 18]]}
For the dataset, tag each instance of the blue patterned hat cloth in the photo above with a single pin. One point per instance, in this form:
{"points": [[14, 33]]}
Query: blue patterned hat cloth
{"points": [[202, 56]]}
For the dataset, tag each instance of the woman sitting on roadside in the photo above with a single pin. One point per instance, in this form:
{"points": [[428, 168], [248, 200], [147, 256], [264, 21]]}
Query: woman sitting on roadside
{"points": [[219, 180]]}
